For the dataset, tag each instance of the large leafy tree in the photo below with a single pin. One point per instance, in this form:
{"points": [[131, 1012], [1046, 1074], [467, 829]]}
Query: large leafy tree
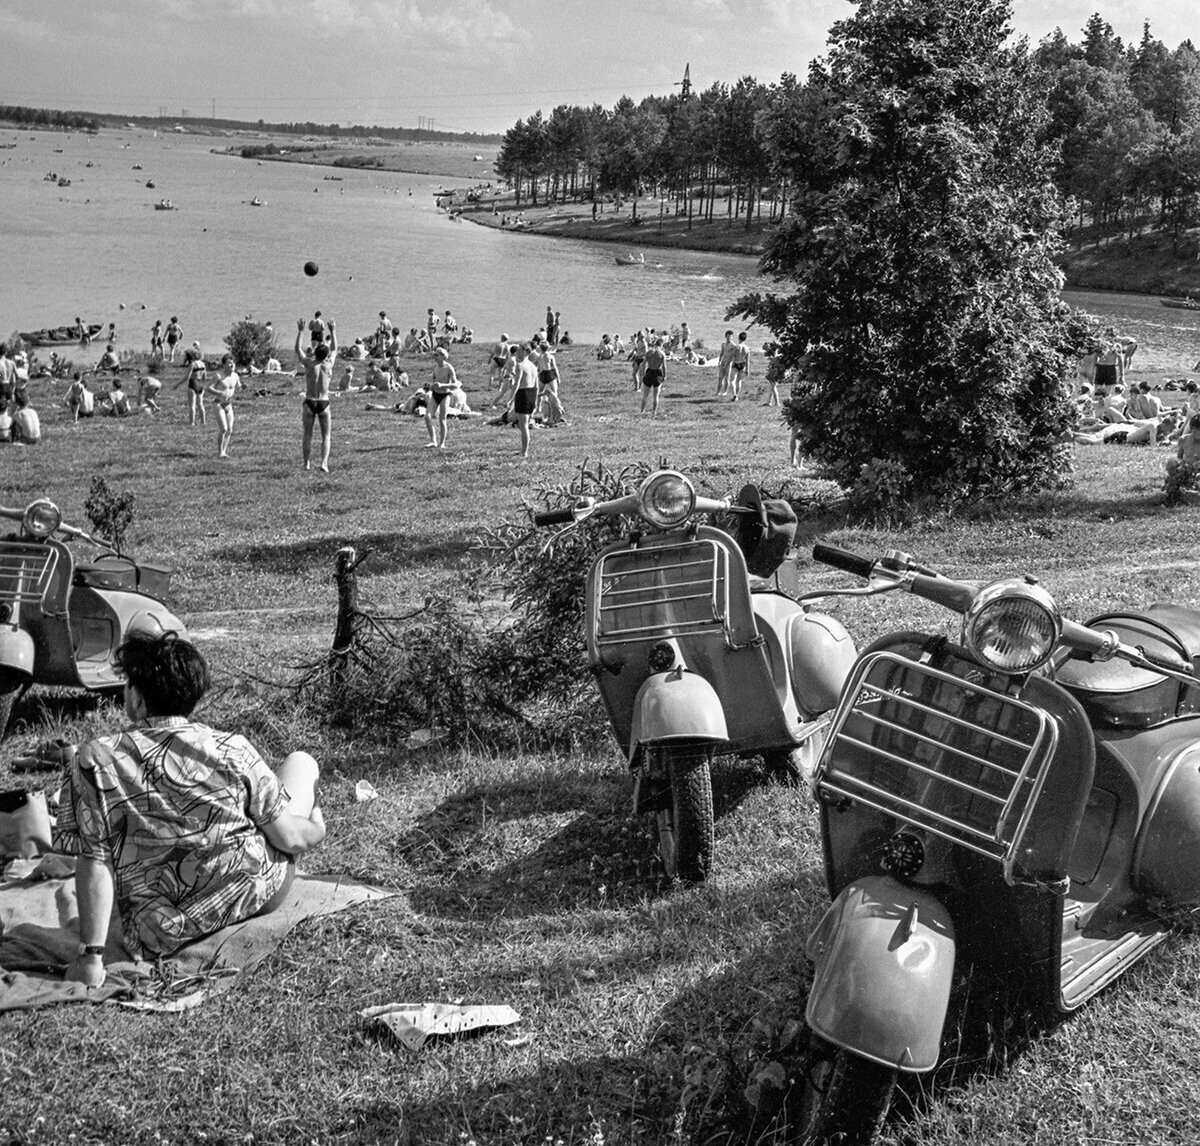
{"points": [[925, 338]]}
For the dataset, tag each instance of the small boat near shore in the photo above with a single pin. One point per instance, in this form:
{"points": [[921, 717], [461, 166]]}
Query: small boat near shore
{"points": [[630, 260], [1181, 303], [165, 205], [58, 335]]}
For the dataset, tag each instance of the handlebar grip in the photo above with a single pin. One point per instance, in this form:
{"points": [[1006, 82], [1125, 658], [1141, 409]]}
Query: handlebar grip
{"points": [[554, 517], [843, 559]]}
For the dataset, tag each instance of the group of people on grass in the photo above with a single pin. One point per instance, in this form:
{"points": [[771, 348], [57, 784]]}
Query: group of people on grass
{"points": [[19, 421]]}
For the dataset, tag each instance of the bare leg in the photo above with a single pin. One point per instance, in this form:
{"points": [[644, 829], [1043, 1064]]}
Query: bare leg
{"points": [[299, 773], [523, 426], [200, 409], [440, 425], [326, 421], [307, 418]]}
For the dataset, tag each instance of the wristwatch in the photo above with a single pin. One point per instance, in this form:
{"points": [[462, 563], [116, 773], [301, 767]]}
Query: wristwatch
{"points": [[91, 949]]}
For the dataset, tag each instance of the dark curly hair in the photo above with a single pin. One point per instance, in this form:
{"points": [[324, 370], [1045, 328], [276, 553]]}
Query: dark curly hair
{"points": [[168, 670]]}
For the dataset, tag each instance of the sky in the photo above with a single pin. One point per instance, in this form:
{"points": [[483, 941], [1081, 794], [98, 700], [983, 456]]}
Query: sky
{"points": [[456, 65]]}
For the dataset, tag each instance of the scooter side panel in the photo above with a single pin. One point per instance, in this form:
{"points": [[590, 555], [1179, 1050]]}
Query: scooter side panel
{"points": [[884, 961]]}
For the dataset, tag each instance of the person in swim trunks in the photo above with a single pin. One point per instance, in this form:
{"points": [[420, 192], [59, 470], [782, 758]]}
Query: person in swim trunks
{"points": [[654, 375], [1110, 361], [499, 357], [638, 357], [317, 361], [223, 391], [739, 366], [443, 384], [525, 396], [156, 339]]}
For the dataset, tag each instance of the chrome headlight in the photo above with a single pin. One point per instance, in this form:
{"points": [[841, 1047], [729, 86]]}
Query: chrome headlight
{"points": [[667, 499], [1012, 626], [41, 518]]}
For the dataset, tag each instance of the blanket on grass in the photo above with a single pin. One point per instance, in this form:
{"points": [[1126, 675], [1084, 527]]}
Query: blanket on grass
{"points": [[39, 936]]}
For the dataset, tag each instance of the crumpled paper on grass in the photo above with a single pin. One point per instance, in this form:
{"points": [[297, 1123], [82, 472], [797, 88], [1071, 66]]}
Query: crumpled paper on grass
{"points": [[415, 1023]]}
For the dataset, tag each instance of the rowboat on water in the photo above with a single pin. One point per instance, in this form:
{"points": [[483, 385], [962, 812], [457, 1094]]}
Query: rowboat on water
{"points": [[58, 335], [630, 260], [164, 205], [1181, 303]]}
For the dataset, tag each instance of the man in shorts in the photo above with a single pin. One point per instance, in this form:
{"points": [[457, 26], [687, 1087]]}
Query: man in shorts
{"points": [[654, 375], [317, 361], [553, 413], [8, 376], [638, 357], [525, 395]]}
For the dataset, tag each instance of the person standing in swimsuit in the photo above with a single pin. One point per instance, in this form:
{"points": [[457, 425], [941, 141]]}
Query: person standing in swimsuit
{"points": [[194, 380], [653, 377], [725, 364], [739, 366], [1110, 362], [174, 334], [525, 397], [499, 357], [318, 361], [223, 391], [639, 358], [443, 384], [156, 339], [548, 379]]}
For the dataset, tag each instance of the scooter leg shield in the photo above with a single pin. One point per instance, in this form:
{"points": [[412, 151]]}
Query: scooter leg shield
{"points": [[884, 956], [677, 705], [16, 649]]}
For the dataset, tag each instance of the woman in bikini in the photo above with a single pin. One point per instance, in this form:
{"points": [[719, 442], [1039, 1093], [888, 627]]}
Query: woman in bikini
{"points": [[223, 391], [197, 371]]}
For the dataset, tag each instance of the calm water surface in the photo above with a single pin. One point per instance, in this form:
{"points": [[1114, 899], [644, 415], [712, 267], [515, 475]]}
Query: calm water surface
{"points": [[87, 248]]}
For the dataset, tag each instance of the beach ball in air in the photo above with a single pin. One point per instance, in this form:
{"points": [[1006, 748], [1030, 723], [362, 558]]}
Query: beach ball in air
{"points": [[310, 268]]}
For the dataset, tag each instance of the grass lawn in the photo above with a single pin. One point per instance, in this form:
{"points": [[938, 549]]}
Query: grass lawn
{"points": [[647, 1010]]}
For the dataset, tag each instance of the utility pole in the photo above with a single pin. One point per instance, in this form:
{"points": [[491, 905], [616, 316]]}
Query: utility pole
{"points": [[685, 85]]}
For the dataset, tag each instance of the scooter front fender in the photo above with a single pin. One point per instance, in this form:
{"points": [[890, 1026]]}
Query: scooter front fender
{"points": [[676, 705], [16, 649], [884, 956]]}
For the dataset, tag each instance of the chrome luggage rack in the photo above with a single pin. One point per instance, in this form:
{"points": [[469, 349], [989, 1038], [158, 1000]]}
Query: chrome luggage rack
{"points": [[657, 591], [25, 571], [940, 753]]}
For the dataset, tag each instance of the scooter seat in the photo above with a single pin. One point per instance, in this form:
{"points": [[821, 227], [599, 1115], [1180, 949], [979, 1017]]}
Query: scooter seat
{"points": [[124, 574], [1116, 694]]}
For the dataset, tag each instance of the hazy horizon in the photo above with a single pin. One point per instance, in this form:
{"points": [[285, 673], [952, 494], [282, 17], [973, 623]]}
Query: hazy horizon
{"points": [[460, 65]]}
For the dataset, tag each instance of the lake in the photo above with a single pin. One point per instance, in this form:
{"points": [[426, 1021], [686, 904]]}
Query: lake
{"points": [[379, 239]]}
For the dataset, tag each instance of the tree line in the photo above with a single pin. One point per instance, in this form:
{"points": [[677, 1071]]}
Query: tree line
{"points": [[48, 117], [1123, 129]]}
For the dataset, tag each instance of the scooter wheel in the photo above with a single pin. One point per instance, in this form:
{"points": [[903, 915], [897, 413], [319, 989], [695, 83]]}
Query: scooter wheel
{"points": [[685, 825], [844, 1098]]}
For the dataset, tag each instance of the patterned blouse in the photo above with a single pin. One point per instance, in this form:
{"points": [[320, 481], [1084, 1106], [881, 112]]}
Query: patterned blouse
{"points": [[175, 809]]}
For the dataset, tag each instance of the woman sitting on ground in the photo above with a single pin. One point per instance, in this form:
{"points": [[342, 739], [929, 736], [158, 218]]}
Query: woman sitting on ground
{"points": [[181, 829]]}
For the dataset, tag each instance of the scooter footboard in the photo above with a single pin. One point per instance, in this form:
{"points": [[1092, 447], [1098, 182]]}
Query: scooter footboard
{"points": [[884, 956]]}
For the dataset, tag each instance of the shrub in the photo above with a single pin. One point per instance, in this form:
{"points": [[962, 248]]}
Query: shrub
{"points": [[110, 514], [251, 343]]}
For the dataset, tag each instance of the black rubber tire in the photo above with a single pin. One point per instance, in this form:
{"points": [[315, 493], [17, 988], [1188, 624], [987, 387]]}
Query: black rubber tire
{"points": [[685, 825], [12, 684], [844, 1098]]}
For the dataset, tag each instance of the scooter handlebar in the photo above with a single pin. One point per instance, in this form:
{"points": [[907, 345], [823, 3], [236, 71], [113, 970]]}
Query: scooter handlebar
{"points": [[554, 517], [843, 559]]}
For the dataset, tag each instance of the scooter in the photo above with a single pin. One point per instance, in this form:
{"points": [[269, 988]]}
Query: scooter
{"points": [[61, 622], [693, 654], [1024, 800]]}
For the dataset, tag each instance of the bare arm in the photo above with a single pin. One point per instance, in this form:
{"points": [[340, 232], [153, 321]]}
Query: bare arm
{"points": [[299, 331], [94, 890], [295, 835]]}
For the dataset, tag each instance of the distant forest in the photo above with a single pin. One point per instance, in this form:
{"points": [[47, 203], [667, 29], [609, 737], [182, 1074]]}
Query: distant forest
{"points": [[90, 121], [1124, 122]]}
